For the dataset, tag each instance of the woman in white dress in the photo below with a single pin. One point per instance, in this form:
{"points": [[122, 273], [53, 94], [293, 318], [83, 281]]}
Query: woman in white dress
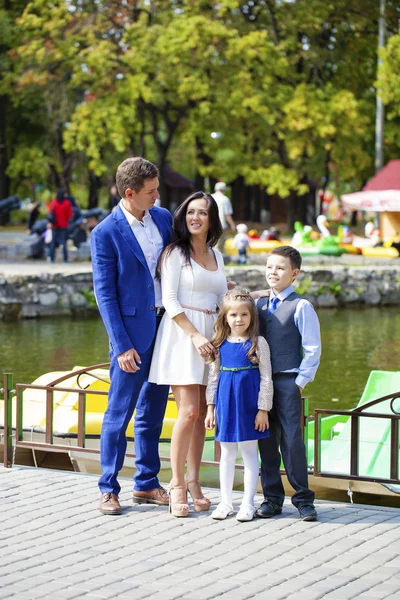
{"points": [[193, 283]]}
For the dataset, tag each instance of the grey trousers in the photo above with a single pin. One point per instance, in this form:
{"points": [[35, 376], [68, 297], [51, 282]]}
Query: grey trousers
{"points": [[285, 437]]}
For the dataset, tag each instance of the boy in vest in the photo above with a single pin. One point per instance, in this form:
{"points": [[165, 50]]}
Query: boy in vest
{"points": [[291, 327]]}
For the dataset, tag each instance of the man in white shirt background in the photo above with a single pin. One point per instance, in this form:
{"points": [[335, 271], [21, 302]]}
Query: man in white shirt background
{"points": [[225, 212]]}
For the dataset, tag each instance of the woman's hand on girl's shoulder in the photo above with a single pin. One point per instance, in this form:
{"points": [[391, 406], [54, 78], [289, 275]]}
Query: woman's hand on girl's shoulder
{"points": [[203, 346], [260, 294], [262, 422]]}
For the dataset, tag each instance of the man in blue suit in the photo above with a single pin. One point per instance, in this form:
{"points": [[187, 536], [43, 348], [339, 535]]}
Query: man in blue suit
{"points": [[125, 248]]}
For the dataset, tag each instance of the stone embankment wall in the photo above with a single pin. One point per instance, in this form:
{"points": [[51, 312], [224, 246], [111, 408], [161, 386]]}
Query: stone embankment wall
{"points": [[334, 286], [46, 295], [58, 295]]}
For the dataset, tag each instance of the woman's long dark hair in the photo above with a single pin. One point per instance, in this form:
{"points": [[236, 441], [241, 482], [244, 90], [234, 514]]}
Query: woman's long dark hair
{"points": [[181, 237]]}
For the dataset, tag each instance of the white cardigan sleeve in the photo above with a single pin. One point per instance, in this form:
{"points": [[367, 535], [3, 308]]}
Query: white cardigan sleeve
{"points": [[266, 392], [213, 376], [171, 269]]}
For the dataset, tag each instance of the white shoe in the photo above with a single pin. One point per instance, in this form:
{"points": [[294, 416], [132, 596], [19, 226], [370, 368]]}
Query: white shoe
{"points": [[246, 513], [222, 511]]}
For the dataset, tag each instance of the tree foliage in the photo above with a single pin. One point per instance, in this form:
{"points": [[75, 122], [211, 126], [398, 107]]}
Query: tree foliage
{"points": [[273, 92]]}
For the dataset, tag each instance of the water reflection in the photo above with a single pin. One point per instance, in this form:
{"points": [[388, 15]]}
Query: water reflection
{"points": [[354, 342]]}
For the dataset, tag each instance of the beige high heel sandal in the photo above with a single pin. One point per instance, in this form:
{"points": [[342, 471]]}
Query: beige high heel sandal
{"points": [[178, 509], [200, 503]]}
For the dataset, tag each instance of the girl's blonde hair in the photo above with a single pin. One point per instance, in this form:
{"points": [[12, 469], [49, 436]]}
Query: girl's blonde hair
{"points": [[221, 327]]}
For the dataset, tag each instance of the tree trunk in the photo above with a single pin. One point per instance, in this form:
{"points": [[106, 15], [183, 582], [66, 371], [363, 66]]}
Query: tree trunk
{"points": [[66, 161], [291, 210], [95, 185], [205, 160]]}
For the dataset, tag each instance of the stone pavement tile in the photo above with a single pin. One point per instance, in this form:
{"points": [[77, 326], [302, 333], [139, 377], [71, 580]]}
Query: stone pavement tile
{"points": [[191, 584], [4, 593], [211, 591], [306, 595], [385, 572], [103, 593], [268, 578], [147, 592], [274, 595], [369, 563], [391, 586], [352, 589], [374, 594], [393, 563], [66, 593], [21, 596], [249, 589], [90, 584]]}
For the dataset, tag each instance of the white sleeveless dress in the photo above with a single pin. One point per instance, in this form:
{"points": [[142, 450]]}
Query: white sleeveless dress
{"points": [[175, 359]]}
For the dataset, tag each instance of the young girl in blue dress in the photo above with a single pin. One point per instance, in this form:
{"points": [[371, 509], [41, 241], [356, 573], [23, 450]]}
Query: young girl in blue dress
{"points": [[239, 396]]}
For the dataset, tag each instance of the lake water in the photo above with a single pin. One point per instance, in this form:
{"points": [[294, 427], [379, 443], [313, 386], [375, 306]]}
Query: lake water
{"points": [[354, 341]]}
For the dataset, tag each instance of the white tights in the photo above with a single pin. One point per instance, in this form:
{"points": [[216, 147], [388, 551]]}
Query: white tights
{"points": [[249, 452]]}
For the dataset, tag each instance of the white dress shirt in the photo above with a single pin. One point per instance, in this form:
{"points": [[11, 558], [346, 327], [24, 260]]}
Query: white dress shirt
{"points": [[224, 207], [147, 234]]}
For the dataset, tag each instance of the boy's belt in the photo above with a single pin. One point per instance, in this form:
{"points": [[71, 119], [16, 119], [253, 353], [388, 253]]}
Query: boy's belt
{"points": [[238, 368]]}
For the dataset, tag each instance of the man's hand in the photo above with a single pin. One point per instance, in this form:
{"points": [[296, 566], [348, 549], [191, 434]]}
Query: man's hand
{"points": [[231, 285], [262, 422], [128, 361], [300, 389], [210, 417]]}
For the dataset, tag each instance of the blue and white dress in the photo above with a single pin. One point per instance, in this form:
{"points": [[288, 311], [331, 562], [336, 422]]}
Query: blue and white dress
{"points": [[238, 388]]}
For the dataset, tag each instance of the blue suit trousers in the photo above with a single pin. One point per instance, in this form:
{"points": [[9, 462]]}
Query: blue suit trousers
{"points": [[127, 392]]}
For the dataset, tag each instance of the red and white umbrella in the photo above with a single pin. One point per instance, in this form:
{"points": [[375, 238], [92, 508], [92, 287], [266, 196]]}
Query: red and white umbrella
{"points": [[384, 200], [381, 193]]}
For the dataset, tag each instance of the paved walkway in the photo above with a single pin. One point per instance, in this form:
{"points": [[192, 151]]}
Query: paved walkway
{"points": [[56, 545]]}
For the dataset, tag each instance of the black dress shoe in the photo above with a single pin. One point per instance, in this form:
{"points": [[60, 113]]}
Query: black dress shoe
{"points": [[268, 509], [307, 512]]}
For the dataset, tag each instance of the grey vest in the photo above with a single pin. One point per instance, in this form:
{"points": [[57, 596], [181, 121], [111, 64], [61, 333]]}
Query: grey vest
{"points": [[281, 333]]}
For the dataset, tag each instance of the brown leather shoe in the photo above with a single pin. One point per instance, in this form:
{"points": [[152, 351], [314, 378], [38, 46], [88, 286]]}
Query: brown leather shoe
{"points": [[109, 504], [157, 496]]}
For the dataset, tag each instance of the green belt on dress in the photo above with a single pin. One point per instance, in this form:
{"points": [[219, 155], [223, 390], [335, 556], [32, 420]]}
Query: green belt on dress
{"points": [[238, 368]]}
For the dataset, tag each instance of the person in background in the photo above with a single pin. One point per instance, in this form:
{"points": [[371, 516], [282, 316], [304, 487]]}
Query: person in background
{"points": [[241, 242], [75, 206], [60, 211], [239, 397], [274, 234], [290, 325], [125, 249], [225, 212], [33, 216]]}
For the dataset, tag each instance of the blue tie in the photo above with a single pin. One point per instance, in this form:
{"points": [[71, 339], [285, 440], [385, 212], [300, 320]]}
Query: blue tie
{"points": [[273, 305]]}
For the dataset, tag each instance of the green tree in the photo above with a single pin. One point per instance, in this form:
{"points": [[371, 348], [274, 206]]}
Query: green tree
{"points": [[9, 11], [389, 87]]}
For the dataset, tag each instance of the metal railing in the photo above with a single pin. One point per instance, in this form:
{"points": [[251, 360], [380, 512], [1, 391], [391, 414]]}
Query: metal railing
{"points": [[354, 458], [14, 441]]}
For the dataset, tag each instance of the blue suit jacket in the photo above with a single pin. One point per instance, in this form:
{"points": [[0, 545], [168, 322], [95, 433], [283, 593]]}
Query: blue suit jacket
{"points": [[123, 285]]}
